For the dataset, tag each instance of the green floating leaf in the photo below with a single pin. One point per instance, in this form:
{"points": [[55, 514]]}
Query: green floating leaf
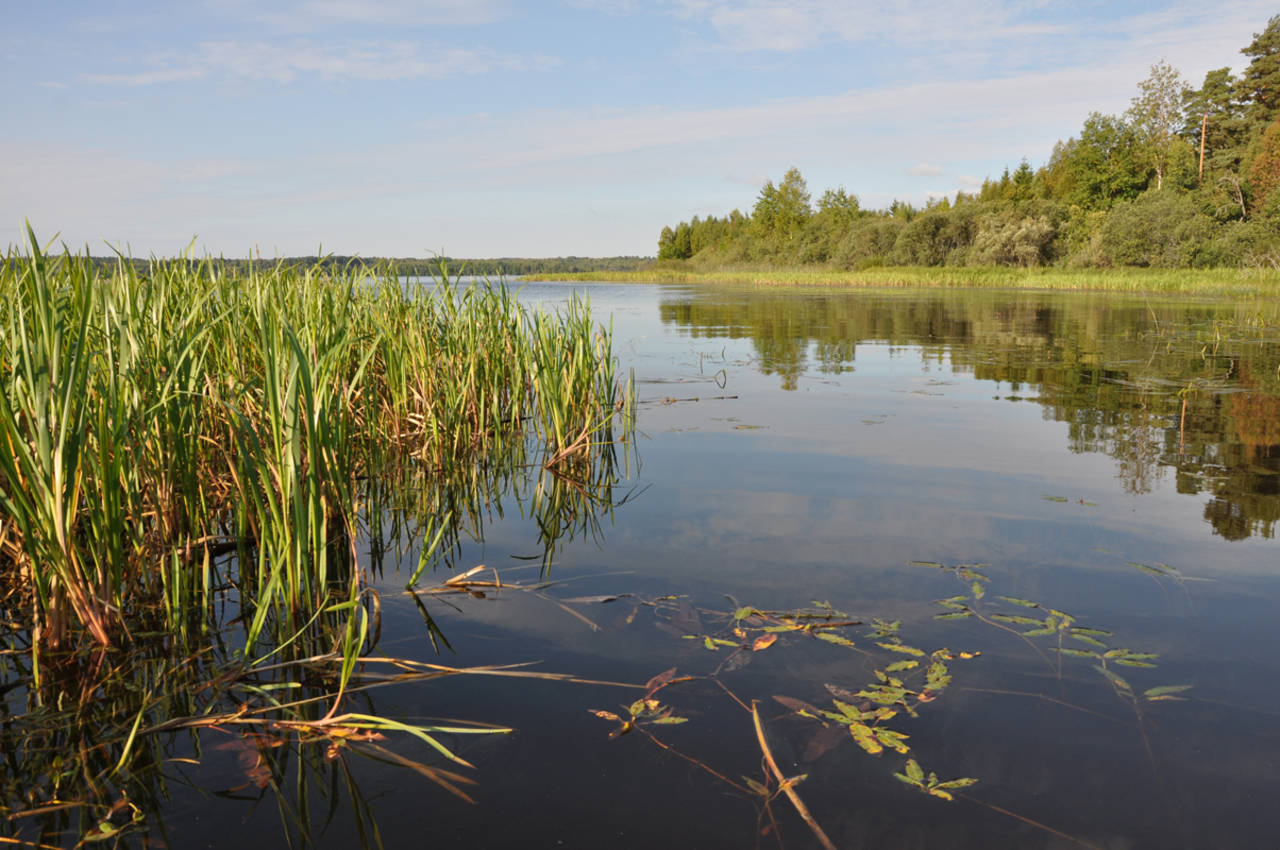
{"points": [[1089, 639], [1165, 692], [1114, 678], [914, 771], [892, 740], [849, 712], [865, 738], [1081, 630], [743, 613], [933, 564], [1040, 632], [1146, 568], [957, 602], [978, 590], [901, 647], [832, 637], [1078, 653], [1014, 600], [709, 644], [1017, 619], [1055, 498], [954, 615], [963, 782], [668, 721], [938, 677], [906, 664]]}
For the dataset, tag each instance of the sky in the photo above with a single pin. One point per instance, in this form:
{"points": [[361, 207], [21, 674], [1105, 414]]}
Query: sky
{"points": [[491, 128]]}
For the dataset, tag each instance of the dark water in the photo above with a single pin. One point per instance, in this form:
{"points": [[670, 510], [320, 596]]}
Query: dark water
{"points": [[1111, 459]]}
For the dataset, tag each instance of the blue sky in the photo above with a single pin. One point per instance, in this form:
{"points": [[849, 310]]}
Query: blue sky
{"points": [[509, 128]]}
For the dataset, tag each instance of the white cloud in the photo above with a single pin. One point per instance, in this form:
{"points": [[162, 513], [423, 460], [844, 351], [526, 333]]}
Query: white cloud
{"points": [[283, 63], [923, 169], [305, 15], [798, 24]]}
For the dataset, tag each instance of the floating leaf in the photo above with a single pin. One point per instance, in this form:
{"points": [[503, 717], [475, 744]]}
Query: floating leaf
{"points": [[954, 615], [850, 712], [865, 738], [723, 642], [1165, 692], [938, 676], [1114, 678], [668, 721], [659, 681], [1016, 618], [1089, 639], [954, 602], [963, 782], [902, 665], [933, 564], [709, 644], [743, 613], [939, 793], [832, 637], [1146, 568], [1078, 653], [978, 590], [607, 715], [914, 771], [764, 642], [893, 740], [1055, 498], [1039, 632], [1081, 630], [1014, 600], [901, 647]]}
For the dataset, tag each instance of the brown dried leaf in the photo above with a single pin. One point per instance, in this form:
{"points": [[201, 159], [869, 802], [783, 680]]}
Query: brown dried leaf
{"points": [[764, 642]]}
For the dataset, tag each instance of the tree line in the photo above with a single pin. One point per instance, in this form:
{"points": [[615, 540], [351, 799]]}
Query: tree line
{"points": [[413, 266], [1186, 177]]}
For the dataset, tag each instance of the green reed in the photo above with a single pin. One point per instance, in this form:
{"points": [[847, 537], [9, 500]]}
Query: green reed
{"points": [[153, 421]]}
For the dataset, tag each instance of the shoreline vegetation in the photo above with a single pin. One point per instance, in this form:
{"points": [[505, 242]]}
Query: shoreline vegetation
{"points": [[205, 468], [153, 422], [1240, 283], [1186, 178]]}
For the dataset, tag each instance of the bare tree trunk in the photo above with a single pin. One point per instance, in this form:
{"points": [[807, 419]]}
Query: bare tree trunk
{"points": [[1204, 129]]}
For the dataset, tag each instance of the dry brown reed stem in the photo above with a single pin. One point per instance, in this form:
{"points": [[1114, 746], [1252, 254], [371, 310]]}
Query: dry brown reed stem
{"points": [[787, 785]]}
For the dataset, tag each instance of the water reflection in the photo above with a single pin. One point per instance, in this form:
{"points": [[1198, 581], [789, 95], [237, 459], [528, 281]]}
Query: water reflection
{"points": [[131, 746], [1165, 388]]}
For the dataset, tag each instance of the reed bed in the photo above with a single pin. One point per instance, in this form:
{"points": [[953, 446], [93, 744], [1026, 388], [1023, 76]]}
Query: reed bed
{"points": [[154, 421], [1254, 282]]}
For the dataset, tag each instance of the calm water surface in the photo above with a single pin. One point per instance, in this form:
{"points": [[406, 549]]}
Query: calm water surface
{"points": [[1114, 460]]}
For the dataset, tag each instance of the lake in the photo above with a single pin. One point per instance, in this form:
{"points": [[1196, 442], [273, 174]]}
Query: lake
{"points": [[1021, 538]]}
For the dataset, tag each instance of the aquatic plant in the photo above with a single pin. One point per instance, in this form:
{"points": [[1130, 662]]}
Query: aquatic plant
{"points": [[151, 422]]}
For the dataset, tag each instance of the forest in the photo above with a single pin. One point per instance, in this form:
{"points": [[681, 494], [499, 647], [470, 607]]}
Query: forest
{"points": [[1187, 177]]}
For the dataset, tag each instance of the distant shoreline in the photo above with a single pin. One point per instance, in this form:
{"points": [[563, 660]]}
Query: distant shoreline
{"points": [[1247, 283]]}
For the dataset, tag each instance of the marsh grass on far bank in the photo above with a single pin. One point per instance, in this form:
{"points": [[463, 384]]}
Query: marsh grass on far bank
{"points": [[1247, 283]]}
